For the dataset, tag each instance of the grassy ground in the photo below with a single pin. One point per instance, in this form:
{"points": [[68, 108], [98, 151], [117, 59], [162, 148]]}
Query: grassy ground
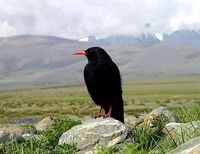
{"points": [[143, 140], [139, 97]]}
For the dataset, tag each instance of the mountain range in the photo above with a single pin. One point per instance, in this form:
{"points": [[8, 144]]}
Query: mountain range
{"points": [[143, 39], [181, 37], [45, 61]]}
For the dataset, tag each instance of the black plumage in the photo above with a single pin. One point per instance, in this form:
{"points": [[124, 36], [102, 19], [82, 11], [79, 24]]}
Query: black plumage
{"points": [[103, 81]]}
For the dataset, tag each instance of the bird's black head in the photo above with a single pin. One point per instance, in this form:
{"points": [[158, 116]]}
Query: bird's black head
{"points": [[95, 54]]}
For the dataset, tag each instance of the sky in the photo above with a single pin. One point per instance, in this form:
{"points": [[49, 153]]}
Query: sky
{"points": [[80, 18]]}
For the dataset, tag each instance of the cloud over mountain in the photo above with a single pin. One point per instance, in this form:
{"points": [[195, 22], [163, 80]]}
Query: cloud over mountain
{"points": [[77, 18]]}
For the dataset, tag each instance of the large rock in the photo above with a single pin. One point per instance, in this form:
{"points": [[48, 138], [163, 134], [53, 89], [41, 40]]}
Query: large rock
{"points": [[190, 147], [95, 133], [44, 124]]}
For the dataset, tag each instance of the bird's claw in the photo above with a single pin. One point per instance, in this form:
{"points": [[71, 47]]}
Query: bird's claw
{"points": [[99, 115], [107, 115], [103, 116]]}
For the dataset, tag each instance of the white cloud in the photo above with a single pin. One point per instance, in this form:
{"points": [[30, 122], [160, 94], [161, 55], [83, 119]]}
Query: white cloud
{"points": [[187, 16], [6, 29], [78, 18]]}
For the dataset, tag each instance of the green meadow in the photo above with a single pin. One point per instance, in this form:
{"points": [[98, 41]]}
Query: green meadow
{"points": [[139, 97]]}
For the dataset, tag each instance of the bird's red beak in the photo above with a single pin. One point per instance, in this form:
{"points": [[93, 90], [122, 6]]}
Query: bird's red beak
{"points": [[81, 52]]}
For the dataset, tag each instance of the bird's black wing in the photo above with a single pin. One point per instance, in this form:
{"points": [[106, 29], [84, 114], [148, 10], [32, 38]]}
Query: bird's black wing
{"points": [[103, 81], [112, 78]]}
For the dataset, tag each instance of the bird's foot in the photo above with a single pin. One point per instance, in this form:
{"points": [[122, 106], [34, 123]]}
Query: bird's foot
{"points": [[99, 114], [109, 113]]}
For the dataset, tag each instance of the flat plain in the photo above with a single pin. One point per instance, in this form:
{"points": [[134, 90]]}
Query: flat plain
{"points": [[139, 97]]}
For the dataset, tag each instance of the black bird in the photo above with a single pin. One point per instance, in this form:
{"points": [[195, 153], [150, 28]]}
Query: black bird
{"points": [[103, 81]]}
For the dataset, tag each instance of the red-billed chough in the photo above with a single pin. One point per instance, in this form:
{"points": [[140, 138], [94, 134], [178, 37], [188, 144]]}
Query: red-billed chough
{"points": [[103, 81]]}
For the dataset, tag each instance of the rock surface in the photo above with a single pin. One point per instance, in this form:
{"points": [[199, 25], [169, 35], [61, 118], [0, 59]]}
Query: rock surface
{"points": [[190, 147], [95, 133], [44, 124]]}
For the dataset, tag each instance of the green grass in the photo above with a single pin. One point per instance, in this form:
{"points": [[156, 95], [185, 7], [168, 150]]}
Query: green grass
{"points": [[48, 144], [152, 140], [181, 96], [143, 140], [139, 97]]}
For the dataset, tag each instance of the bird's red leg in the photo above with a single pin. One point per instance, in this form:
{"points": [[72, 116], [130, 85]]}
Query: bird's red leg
{"points": [[109, 113], [99, 113]]}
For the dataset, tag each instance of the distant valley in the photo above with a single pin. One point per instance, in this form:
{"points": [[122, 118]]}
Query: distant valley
{"points": [[47, 61]]}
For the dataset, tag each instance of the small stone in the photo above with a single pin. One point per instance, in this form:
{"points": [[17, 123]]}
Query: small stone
{"points": [[159, 114], [6, 137], [180, 127], [25, 120], [88, 152], [132, 121], [180, 131], [32, 136], [163, 111], [15, 129], [44, 124]]}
